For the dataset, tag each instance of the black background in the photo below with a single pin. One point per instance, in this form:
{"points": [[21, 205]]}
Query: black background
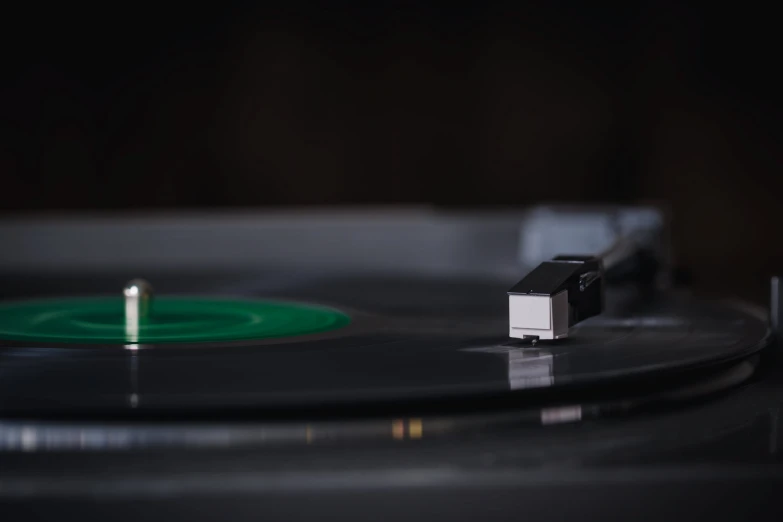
{"points": [[149, 106]]}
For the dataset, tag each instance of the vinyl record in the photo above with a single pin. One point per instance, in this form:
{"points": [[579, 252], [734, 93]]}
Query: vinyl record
{"points": [[327, 350]]}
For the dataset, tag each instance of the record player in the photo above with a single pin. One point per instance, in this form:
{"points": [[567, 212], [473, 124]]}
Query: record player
{"points": [[377, 363]]}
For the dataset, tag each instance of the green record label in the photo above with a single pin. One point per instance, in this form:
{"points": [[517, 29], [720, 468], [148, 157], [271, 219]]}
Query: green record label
{"points": [[102, 320]]}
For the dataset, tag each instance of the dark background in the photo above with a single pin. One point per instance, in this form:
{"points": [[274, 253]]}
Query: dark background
{"points": [[188, 106]]}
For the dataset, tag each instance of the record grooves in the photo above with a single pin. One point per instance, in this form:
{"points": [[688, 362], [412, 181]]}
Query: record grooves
{"points": [[375, 361]]}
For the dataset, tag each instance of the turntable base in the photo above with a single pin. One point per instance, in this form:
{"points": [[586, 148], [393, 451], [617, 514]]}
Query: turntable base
{"points": [[370, 379]]}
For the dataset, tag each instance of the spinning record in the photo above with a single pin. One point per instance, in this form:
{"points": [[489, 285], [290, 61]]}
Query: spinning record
{"points": [[299, 349]]}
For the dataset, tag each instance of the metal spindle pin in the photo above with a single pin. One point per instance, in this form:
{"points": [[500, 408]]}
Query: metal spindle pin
{"points": [[138, 301]]}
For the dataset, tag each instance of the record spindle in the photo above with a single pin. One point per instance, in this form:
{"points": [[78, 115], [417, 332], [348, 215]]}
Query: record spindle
{"points": [[138, 301]]}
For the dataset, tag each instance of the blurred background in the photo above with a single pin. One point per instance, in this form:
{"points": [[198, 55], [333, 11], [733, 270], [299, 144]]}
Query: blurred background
{"points": [[330, 103]]}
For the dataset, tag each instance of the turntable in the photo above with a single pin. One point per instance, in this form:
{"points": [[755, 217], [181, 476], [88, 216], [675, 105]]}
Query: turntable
{"points": [[378, 364]]}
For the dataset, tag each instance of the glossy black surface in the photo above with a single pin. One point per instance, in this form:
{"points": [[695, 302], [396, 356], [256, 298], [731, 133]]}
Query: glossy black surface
{"points": [[717, 457], [391, 353]]}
